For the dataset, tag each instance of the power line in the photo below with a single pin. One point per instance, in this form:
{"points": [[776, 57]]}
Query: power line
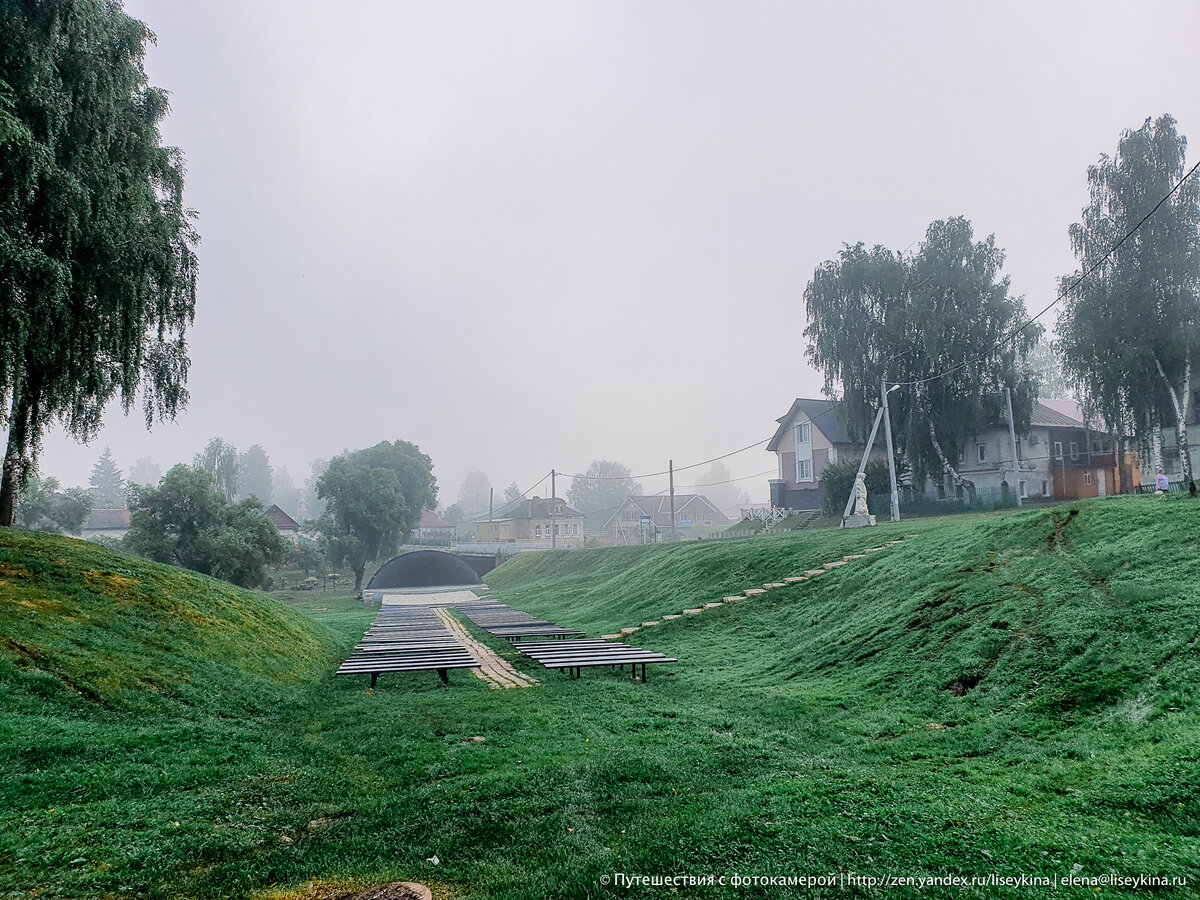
{"points": [[507, 503], [1063, 293]]}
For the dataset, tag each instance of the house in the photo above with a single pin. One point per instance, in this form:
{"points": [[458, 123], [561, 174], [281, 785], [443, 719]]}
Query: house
{"points": [[642, 519], [1060, 457], [284, 524], [1170, 443], [432, 531], [111, 523], [545, 522], [810, 437]]}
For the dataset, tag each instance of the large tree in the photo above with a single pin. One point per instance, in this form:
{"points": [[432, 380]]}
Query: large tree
{"points": [[145, 471], [106, 482], [474, 494], [284, 492], [97, 269], [718, 486], [219, 460], [255, 475], [603, 487], [185, 521], [942, 322], [374, 499], [1129, 332]]}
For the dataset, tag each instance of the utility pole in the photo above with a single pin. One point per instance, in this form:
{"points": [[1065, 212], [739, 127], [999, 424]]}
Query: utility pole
{"points": [[671, 471], [553, 517], [887, 432], [491, 502], [1012, 439]]}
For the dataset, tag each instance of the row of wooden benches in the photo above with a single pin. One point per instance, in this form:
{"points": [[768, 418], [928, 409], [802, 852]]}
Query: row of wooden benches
{"points": [[407, 639], [413, 639]]}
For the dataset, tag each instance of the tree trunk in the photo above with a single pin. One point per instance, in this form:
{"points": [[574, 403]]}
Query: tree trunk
{"points": [[1156, 448], [937, 447], [16, 465], [358, 578], [1180, 402], [1119, 465]]}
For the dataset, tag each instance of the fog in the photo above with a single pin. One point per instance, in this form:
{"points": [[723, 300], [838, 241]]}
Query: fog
{"points": [[528, 235]]}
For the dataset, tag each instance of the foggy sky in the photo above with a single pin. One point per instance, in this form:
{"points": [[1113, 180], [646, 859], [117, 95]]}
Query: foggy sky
{"points": [[528, 235]]}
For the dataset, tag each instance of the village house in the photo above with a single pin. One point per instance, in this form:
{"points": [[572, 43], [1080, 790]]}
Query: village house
{"points": [[1170, 445], [642, 519], [544, 522], [810, 437], [1061, 457], [110, 523], [432, 531], [288, 527]]}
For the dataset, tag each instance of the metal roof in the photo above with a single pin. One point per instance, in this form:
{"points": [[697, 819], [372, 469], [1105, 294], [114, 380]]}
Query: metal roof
{"points": [[822, 413]]}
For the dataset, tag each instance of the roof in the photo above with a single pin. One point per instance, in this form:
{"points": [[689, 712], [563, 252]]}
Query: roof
{"points": [[658, 507], [430, 519], [1055, 414], [822, 413], [536, 508], [107, 520], [282, 520]]}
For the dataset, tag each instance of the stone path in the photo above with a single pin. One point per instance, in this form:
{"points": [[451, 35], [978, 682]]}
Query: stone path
{"points": [[756, 591], [492, 668]]}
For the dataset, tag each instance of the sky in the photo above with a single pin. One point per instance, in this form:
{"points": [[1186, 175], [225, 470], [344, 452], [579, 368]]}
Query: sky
{"points": [[528, 235]]}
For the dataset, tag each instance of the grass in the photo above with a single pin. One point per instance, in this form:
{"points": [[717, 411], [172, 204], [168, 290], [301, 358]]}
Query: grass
{"points": [[1010, 693]]}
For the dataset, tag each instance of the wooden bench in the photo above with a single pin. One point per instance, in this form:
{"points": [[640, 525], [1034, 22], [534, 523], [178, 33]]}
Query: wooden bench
{"points": [[576, 655], [407, 639]]}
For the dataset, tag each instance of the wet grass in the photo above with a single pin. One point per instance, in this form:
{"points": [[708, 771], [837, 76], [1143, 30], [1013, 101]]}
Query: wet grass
{"points": [[1010, 693]]}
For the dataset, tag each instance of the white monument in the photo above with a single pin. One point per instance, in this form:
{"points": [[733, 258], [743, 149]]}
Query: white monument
{"points": [[860, 516]]}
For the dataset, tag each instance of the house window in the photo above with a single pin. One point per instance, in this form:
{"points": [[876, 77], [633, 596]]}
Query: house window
{"points": [[1019, 449], [1024, 488], [804, 432], [1058, 449], [537, 530], [1074, 451], [504, 528], [962, 456], [833, 456], [982, 450], [1045, 489], [804, 470], [1087, 477]]}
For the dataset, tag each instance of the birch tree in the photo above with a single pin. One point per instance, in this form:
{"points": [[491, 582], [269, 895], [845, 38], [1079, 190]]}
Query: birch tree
{"points": [[1130, 331], [942, 322]]}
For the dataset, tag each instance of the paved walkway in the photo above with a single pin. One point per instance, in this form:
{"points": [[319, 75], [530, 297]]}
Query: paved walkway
{"points": [[492, 668]]}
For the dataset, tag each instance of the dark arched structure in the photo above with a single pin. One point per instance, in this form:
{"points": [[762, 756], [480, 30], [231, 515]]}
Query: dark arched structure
{"points": [[423, 569]]}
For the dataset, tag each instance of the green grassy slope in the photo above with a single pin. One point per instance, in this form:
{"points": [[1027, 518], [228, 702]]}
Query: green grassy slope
{"points": [[78, 620], [1066, 610], [1010, 693]]}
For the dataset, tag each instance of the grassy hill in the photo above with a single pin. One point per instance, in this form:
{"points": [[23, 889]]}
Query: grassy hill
{"points": [[1013, 693], [78, 620]]}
